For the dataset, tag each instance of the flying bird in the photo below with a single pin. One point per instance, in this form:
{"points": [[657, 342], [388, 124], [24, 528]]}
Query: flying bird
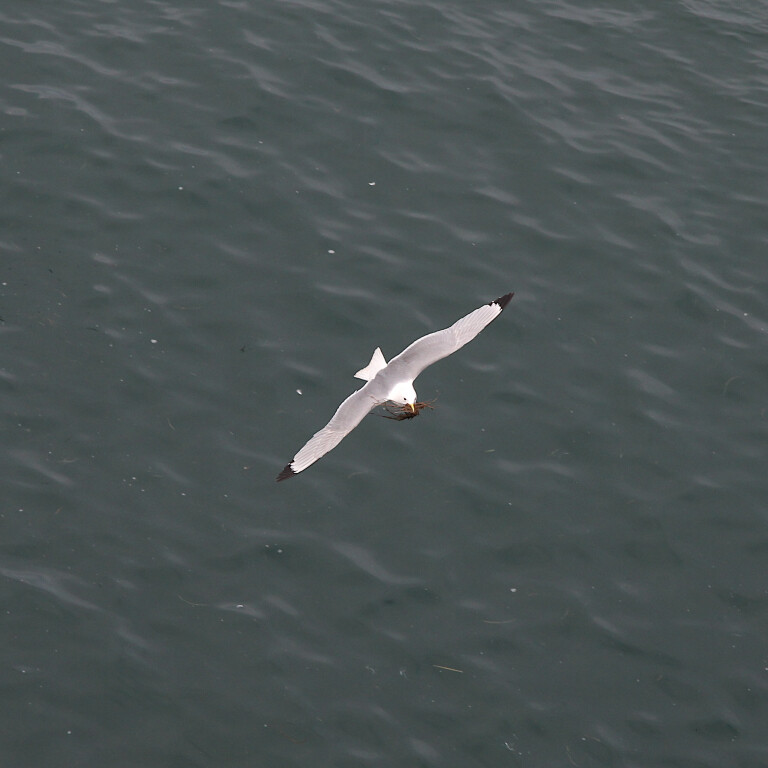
{"points": [[392, 382]]}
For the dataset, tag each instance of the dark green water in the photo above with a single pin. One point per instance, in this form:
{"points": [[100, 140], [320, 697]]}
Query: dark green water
{"points": [[209, 208]]}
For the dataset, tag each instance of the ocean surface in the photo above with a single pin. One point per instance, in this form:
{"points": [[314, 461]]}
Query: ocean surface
{"points": [[212, 213]]}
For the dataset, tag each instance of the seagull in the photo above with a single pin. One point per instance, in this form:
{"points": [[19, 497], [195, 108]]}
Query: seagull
{"points": [[392, 382]]}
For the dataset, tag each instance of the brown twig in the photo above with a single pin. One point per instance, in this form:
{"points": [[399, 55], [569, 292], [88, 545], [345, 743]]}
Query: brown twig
{"points": [[399, 412]]}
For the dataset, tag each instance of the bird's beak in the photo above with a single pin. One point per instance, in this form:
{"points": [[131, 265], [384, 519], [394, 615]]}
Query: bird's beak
{"points": [[413, 407]]}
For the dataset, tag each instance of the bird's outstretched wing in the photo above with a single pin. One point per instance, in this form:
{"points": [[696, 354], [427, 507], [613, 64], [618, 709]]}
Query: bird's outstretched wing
{"points": [[348, 415], [435, 346]]}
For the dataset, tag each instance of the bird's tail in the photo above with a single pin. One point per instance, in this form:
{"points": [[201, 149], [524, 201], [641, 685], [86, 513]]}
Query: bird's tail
{"points": [[377, 363]]}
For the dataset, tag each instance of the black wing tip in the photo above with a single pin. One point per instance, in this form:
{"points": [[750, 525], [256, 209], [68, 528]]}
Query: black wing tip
{"points": [[286, 473], [502, 301]]}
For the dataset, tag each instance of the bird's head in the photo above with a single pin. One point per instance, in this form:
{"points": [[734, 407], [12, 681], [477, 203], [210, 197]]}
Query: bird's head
{"points": [[403, 393]]}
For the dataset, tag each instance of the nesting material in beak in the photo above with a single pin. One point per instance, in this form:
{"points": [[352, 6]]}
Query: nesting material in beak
{"points": [[407, 411]]}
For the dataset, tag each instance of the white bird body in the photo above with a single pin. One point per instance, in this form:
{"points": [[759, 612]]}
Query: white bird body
{"points": [[392, 381]]}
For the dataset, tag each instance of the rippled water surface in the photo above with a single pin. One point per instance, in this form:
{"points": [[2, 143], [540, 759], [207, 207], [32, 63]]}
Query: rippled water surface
{"points": [[212, 214]]}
